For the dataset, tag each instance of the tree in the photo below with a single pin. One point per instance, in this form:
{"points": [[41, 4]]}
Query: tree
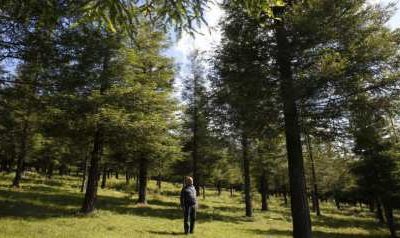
{"points": [[310, 53], [376, 168], [243, 86]]}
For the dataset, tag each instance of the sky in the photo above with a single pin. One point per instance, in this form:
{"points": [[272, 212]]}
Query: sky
{"points": [[210, 36]]}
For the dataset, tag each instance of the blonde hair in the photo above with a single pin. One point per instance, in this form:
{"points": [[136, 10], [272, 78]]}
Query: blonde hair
{"points": [[188, 180]]}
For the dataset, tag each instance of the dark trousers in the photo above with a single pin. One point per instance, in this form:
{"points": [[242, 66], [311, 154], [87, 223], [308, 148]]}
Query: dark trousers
{"points": [[189, 214]]}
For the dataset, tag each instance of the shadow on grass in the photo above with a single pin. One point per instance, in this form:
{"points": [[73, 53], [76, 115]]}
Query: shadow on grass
{"points": [[229, 208], [316, 234], [45, 202], [167, 233], [21, 209], [162, 203], [350, 221]]}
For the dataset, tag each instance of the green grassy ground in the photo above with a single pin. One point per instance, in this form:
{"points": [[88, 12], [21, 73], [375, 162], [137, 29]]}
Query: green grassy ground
{"points": [[48, 208]]}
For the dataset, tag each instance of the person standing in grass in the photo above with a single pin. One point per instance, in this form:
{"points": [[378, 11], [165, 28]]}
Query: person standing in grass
{"points": [[188, 204]]}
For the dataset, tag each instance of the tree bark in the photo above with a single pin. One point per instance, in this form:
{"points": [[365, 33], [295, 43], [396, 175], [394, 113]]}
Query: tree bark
{"points": [[143, 164], [389, 218], [21, 156], [92, 183], [159, 177], [104, 177], [314, 196], [379, 213], [219, 188], [246, 174], [93, 177], [83, 184], [127, 177], [50, 169], [285, 200], [231, 190], [195, 156], [264, 191], [298, 198]]}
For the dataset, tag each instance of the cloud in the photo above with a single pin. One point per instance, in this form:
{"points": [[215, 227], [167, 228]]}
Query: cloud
{"points": [[208, 36]]}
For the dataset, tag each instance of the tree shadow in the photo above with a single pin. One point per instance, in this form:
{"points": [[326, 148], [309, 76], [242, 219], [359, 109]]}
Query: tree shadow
{"points": [[45, 202], [162, 203], [167, 233], [24, 209], [349, 221], [228, 208], [316, 234]]}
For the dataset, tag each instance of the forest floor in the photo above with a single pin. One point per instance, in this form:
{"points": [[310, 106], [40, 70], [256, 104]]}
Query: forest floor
{"points": [[48, 209]]}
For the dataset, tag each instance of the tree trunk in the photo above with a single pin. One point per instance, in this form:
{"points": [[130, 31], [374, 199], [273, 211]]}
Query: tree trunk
{"points": [[116, 175], [314, 196], [50, 169], [83, 184], [298, 198], [371, 206], [379, 213], [21, 156], [142, 180], [264, 191], [98, 140], [285, 200], [159, 177], [389, 218], [231, 190], [104, 177], [246, 174], [137, 182], [219, 188], [92, 183], [204, 191], [127, 177], [196, 181]]}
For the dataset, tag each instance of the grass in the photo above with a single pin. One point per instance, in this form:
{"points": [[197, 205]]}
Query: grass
{"points": [[48, 208]]}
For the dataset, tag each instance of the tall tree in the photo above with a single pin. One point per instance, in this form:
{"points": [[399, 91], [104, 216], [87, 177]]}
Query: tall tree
{"points": [[244, 87]]}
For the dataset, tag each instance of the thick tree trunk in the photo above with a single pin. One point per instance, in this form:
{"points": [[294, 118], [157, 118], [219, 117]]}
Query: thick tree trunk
{"points": [[390, 220], [264, 191], [92, 183], [314, 195], [143, 164], [104, 177], [116, 175], [21, 156], [246, 175], [299, 204], [83, 184]]}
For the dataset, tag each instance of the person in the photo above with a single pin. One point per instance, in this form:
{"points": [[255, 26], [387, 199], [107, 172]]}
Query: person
{"points": [[188, 204]]}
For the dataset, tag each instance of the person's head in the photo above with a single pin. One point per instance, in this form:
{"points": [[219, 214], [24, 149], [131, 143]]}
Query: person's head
{"points": [[188, 181]]}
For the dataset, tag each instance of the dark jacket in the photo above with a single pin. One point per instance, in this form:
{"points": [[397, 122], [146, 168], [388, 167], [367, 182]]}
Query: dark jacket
{"points": [[188, 196]]}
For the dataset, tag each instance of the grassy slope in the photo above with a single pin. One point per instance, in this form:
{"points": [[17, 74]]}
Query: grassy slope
{"points": [[47, 208]]}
